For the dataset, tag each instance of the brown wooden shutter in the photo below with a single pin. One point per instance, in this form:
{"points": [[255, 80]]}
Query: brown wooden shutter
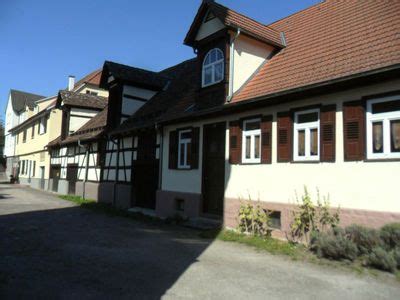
{"points": [[284, 137], [194, 163], [266, 139], [173, 150], [235, 142], [354, 130], [327, 137]]}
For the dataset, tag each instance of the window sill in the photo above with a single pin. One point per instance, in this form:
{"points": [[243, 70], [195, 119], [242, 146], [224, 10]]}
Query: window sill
{"points": [[382, 160], [305, 161]]}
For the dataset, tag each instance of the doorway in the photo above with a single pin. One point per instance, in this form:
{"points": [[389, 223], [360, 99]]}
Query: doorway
{"points": [[213, 186], [55, 176], [42, 178], [72, 178], [145, 171]]}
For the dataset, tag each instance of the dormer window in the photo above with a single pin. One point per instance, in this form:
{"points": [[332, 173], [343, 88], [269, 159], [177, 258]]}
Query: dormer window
{"points": [[213, 67]]}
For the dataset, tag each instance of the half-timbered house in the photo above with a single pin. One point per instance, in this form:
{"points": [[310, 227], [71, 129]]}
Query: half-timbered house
{"points": [[76, 154]]}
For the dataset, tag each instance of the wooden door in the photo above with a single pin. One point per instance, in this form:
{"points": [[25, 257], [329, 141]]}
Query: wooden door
{"points": [[72, 178], [145, 171], [55, 176], [213, 168]]}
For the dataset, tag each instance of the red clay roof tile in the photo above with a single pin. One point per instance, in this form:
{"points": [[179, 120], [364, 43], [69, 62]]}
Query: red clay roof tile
{"points": [[329, 40]]}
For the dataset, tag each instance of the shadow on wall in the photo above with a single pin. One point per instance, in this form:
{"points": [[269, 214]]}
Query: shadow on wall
{"points": [[74, 252]]}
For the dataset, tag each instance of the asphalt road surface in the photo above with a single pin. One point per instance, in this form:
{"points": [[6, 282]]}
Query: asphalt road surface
{"points": [[50, 248]]}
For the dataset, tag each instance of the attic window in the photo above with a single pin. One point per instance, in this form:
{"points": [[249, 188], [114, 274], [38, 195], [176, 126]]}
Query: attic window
{"points": [[213, 67], [209, 16]]}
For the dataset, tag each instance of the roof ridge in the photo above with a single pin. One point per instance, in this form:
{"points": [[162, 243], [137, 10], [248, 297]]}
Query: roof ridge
{"points": [[295, 13], [243, 15], [178, 64]]}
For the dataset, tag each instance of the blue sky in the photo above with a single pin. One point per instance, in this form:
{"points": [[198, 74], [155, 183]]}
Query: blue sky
{"points": [[44, 41]]}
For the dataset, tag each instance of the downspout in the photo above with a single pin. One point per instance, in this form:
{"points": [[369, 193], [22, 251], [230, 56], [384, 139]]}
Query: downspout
{"points": [[116, 168], [160, 154], [232, 65], [86, 168]]}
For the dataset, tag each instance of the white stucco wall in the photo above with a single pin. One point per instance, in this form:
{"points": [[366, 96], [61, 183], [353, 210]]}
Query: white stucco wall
{"points": [[80, 117], [11, 120], [209, 28], [357, 185], [249, 55]]}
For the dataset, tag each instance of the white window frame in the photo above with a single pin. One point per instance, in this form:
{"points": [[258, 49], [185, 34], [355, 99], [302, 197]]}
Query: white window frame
{"points": [[185, 142], [212, 65], [42, 127], [251, 134], [385, 118], [307, 127]]}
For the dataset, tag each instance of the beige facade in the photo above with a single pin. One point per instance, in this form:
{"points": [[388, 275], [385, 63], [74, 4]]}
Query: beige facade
{"points": [[31, 147], [358, 185]]}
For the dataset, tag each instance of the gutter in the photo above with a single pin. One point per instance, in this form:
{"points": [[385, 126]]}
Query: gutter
{"points": [[288, 95]]}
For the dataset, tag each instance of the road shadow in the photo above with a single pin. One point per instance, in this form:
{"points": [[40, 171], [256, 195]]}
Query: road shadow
{"points": [[75, 252]]}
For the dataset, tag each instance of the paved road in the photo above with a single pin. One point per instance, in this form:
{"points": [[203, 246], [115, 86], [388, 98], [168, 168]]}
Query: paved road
{"points": [[50, 248]]}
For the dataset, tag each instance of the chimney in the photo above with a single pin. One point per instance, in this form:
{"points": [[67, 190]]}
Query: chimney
{"points": [[71, 82]]}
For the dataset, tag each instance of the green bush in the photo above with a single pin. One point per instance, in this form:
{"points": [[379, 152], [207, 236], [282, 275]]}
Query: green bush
{"points": [[381, 259], [309, 218], [334, 245], [365, 238], [396, 255], [254, 220], [390, 235]]}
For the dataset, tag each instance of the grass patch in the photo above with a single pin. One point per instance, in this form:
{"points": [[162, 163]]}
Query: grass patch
{"points": [[293, 251], [271, 245]]}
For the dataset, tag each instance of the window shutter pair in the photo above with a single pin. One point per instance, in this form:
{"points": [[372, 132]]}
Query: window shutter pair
{"points": [[354, 130], [235, 140], [193, 157], [327, 134]]}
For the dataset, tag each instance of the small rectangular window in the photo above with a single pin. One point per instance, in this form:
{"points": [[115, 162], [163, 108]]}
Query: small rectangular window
{"points": [[24, 136], [33, 131], [306, 135], [184, 148], [383, 128], [251, 141]]}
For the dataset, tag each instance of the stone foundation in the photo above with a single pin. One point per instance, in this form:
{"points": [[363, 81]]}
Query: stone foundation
{"points": [[373, 219], [91, 190], [166, 204], [117, 194]]}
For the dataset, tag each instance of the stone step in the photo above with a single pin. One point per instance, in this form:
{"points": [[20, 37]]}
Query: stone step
{"points": [[203, 223]]}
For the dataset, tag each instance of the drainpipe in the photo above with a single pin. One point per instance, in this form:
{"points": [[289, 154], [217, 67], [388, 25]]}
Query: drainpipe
{"points": [[232, 65], [116, 167], [160, 154], [86, 167]]}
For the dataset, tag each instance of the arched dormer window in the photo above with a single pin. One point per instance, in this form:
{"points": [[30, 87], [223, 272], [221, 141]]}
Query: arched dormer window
{"points": [[213, 67]]}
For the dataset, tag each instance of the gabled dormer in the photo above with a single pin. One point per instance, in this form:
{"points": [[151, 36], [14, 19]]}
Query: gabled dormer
{"points": [[230, 49], [129, 89], [77, 110]]}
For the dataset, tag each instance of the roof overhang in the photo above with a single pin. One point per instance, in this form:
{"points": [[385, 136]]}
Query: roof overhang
{"points": [[295, 94]]}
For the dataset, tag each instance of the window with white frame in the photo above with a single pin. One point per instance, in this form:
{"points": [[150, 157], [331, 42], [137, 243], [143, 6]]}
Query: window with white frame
{"points": [[383, 128], [43, 125], [184, 148], [213, 67], [251, 141], [306, 135]]}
